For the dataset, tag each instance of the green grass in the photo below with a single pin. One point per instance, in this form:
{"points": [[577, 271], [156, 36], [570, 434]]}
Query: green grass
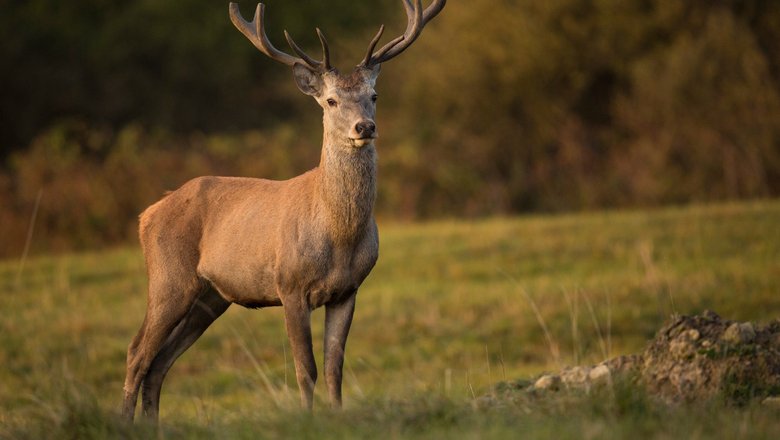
{"points": [[451, 308]]}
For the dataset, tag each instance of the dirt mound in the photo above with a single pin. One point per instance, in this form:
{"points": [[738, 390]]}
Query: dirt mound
{"points": [[696, 357], [692, 358]]}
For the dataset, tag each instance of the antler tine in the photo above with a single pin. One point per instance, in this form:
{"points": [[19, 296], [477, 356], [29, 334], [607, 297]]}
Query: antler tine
{"points": [[309, 60], [255, 32], [417, 18], [413, 26], [371, 46], [379, 55], [409, 7], [325, 50], [433, 10]]}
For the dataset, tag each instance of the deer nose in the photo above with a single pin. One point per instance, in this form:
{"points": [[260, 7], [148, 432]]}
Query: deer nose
{"points": [[365, 129]]}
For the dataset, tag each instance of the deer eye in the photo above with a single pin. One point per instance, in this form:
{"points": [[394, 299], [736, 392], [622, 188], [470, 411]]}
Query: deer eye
{"points": [[332, 102], [374, 97]]}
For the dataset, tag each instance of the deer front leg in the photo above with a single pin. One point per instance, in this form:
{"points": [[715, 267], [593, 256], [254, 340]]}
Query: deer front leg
{"points": [[338, 318], [297, 316]]}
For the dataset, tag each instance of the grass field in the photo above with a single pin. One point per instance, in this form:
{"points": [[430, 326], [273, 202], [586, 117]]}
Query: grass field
{"points": [[452, 308]]}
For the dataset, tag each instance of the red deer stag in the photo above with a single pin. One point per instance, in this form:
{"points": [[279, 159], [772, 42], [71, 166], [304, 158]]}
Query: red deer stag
{"points": [[301, 243]]}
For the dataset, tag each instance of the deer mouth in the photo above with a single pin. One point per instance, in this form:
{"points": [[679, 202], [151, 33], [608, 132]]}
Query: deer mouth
{"points": [[361, 142]]}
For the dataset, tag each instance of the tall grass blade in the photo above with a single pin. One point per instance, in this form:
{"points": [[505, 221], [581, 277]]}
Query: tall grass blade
{"points": [[28, 239], [551, 344]]}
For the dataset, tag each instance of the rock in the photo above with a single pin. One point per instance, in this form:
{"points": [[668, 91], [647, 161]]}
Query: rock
{"points": [[739, 333], [548, 381], [576, 377], [600, 374], [624, 364], [693, 334], [682, 349]]}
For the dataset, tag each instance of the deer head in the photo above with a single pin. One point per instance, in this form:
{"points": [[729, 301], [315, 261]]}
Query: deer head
{"points": [[348, 101]]}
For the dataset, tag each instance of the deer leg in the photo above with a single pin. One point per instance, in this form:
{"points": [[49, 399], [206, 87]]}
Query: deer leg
{"points": [[338, 318], [297, 317], [131, 390], [206, 309], [164, 312]]}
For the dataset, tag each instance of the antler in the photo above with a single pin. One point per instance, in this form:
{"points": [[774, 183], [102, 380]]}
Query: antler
{"points": [[255, 32], [416, 21]]}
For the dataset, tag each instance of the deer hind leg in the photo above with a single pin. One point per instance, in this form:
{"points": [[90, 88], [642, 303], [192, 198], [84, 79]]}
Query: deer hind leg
{"points": [[168, 304], [205, 310]]}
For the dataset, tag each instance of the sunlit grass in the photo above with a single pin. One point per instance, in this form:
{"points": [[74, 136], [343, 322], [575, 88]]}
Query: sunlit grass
{"points": [[451, 308]]}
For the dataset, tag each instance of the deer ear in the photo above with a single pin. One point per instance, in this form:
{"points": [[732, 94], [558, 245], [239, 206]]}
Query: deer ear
{"points": [[308, 81]]}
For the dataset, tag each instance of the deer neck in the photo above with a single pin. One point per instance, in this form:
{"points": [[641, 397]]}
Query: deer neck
{"points": [[347, 188]]}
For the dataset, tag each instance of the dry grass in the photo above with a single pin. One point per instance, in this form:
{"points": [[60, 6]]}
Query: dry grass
{"points": [[451, 308]]}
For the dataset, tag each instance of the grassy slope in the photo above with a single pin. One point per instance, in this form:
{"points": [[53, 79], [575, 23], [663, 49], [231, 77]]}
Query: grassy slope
{"points": [[451, 308]]}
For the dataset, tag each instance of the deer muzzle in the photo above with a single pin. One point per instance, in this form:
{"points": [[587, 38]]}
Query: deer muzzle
{"points": [[363, 133]]}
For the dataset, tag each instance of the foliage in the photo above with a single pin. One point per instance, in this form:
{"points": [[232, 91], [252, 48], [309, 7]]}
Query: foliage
{"points": [[177, 65], [94, 182], [576, 104], [447, 313], [500, 107]]}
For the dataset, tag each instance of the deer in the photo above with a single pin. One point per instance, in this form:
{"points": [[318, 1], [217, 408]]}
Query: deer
{"points": [[299, 244]]}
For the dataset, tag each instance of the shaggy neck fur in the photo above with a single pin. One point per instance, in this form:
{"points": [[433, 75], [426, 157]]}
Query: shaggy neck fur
{"points": [[348, 187]]}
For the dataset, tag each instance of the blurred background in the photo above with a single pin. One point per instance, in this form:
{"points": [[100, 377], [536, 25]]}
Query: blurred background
{"points": [[501, 107]]}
